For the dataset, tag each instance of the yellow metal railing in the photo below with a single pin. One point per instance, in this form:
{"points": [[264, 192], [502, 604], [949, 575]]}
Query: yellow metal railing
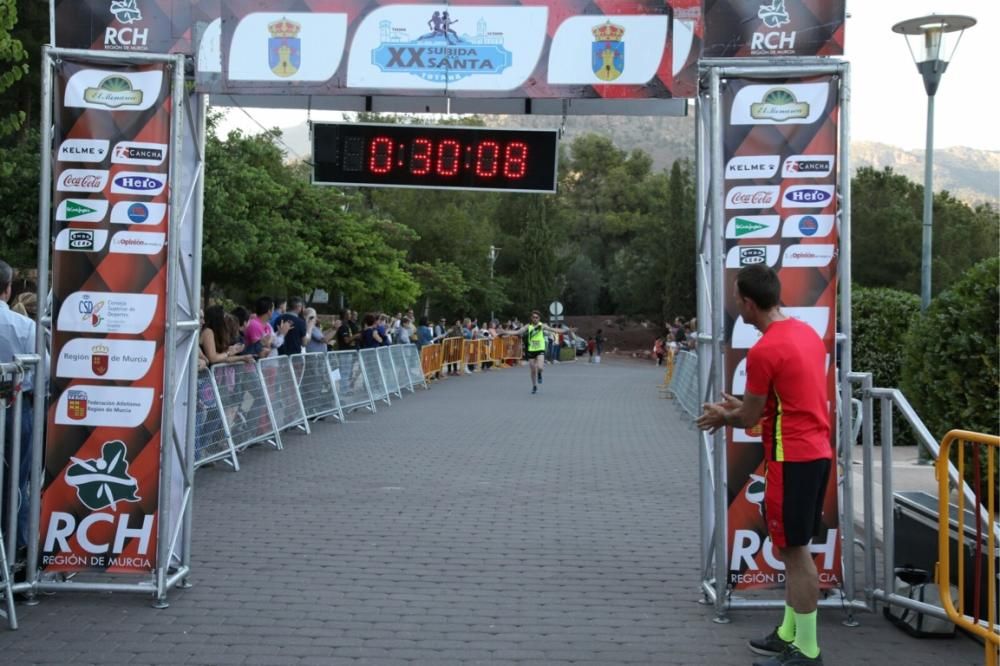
{"points": [[984, 627]]}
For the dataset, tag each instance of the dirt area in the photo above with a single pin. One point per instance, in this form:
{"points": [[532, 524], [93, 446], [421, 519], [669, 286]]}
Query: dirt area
{"points": [[625, 337]]}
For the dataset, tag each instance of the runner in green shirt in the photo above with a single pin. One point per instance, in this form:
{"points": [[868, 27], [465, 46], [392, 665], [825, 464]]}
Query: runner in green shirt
{"points": [[535, 347]]}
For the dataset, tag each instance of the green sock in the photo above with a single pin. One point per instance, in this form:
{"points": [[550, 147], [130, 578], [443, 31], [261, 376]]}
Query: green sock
{"points": [[805, 634], [786, 631]]}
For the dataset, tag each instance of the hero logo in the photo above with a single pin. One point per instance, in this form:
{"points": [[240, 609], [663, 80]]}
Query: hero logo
{"points": [[137, 182], [126, 12], [82, 180], [765, 196], [746, 167], [83, 150], [773, 42], [807, 166], [808, 196], [133, 152]]}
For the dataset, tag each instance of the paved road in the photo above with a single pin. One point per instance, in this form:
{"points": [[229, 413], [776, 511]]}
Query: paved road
{"points": [[470, 524]]}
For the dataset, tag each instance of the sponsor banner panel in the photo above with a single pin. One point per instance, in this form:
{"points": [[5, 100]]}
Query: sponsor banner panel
{"points": [[738, 28], [102, 452], [782, 136]]}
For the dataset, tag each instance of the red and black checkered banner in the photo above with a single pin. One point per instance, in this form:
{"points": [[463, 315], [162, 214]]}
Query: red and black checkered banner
{"points": [[554, 49], [109, 261], [738, 28], [780, 147]]}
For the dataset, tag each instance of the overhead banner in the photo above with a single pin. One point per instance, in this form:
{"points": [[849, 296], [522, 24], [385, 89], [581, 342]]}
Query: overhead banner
{"points": [[556, 49], [111, 162], [738, 28], [781, 207]]}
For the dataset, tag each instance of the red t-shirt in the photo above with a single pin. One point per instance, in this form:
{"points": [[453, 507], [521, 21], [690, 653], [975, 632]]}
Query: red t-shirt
{"points": [[788, 366]]}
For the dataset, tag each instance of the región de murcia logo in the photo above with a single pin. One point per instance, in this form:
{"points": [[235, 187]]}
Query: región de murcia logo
{"points": [[102, 482]]}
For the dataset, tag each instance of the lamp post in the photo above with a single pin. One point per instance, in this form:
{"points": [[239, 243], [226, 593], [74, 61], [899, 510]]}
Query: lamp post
{"points": [[928, 41], [494, 253]]}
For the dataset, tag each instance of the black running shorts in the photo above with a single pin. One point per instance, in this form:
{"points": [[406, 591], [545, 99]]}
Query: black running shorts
{"points": [[793, 500]]}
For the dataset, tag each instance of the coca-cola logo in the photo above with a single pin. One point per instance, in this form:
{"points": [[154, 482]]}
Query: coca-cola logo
{"points": [[82, 180], [762, 198], [752, 197]]}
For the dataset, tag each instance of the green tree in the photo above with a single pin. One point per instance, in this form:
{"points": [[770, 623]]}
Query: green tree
{"points": [[19, 193], [680, 253], [12, 69]]}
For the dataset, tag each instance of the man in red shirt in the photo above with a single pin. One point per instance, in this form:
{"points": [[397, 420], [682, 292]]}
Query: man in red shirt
{"points": [[786, 392]]}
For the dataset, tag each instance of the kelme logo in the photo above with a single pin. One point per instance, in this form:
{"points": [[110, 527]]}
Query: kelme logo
{"points": [[105, 481], [779, 104], [113, 91]]}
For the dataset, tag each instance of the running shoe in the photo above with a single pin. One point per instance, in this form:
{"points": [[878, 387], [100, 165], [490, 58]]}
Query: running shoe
{"points": [[792, 657], [539, 378], [771, 645], [534, 390]]}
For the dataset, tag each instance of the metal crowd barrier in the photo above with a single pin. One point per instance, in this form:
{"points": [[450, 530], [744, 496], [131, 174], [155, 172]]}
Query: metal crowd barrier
{"points": [[213, 440], [414, 366], [245, 405], [969, 614], [283, 391], [684, 383], [431, 360], [399, 365], [376, 377], [385, 361], [317, 386], [11, 398], [453, 352], [352, 384]]}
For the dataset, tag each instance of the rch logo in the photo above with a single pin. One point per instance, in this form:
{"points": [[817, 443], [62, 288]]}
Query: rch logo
{"points": [[126, 12]]}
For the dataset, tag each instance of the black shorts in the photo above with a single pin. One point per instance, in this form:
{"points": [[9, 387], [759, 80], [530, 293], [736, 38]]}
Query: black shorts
{"points": [[793, 500], [536, 354]]}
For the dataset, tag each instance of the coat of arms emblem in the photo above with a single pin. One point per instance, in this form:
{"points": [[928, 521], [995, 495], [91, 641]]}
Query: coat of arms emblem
{"points": [[284, 48], [608, 51]]}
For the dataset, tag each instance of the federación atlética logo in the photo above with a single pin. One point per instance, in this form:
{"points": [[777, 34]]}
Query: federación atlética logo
{"points": [[284, 48], [607, 53], [779, 104], [105, 481], [774, 14], [441, 55]]}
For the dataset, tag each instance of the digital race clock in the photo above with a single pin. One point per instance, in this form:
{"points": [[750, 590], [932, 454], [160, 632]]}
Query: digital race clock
{"points": [[439, 157]]}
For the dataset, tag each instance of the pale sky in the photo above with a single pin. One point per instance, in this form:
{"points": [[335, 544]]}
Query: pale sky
{"points": [[889, 104]]}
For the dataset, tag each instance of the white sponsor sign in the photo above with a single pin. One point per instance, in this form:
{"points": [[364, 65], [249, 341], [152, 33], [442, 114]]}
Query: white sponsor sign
{"points": [[808, 196], [482, 48], [807, 226], [746, 336], [287, 46], [784, 104], [94, 358], [740, 378], [745, 167], [751, 255], [138, 182], [683, 39], [138, 152], [112, 90], [81, 210], [752, 196], [808, 256], [807, 166], [117, 406], [106, 312], [83, 150], [753, 226], [81, 240], [210, 49], [642, 39], [137, 242], [82, 180], [138, 212]]}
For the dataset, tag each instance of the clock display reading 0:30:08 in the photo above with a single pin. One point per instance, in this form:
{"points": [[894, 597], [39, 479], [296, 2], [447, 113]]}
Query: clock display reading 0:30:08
{"points": [[440, 157]]}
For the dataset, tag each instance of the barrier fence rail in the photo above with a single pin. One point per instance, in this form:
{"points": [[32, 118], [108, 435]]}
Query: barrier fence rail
{"points": [[683, 383], [973, 451], [11, 409]]}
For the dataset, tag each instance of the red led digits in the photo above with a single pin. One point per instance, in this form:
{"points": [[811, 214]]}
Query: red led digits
{"points": [[486, 159], [448, 161], [380, 155], [423, 154], [515, 160]]}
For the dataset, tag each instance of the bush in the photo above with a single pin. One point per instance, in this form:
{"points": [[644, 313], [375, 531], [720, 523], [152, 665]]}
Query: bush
{"points": [[880, 318], [950, 367]]}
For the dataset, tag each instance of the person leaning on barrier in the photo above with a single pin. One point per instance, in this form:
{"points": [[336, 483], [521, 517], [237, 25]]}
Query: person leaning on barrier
{"points": [[786, 391], [17, 336], [215, 337]]}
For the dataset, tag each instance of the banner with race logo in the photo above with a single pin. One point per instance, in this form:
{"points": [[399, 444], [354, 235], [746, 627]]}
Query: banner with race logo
{"points": [[780, 147], [109, 235], [762, 28]]}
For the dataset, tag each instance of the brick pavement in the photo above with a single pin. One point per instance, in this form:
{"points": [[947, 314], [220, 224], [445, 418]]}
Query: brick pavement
{"points": [[470, 524]]}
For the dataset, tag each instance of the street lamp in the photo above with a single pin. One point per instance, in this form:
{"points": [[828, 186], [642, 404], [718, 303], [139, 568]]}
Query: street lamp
{"points": [[494, 253], [931, 47]]}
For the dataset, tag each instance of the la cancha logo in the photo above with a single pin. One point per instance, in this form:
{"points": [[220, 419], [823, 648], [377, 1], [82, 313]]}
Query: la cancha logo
{"points": [[105, 481]]}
